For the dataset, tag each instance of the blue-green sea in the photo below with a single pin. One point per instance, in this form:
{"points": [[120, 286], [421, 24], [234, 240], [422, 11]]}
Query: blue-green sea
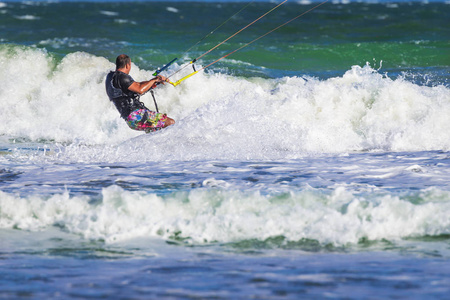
{"points": [[311, 162]]}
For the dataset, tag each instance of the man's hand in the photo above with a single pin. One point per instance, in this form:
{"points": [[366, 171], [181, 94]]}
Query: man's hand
{"points": [[162, 79]]}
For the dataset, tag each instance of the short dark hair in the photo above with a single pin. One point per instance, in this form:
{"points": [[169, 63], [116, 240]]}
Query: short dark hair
{"points": [[122, 60]]}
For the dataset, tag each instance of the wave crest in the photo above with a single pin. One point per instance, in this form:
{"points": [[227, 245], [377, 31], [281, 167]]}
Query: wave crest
{"points": [[222, 116]]}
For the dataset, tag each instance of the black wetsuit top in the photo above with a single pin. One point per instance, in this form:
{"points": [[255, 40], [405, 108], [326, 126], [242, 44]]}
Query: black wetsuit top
{"points": [[126, 101]]}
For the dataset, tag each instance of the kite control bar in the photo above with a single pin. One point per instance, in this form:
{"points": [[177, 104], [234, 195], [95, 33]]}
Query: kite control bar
{"points": [[184, 78]]}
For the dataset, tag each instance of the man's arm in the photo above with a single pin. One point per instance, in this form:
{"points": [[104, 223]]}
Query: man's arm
{"points": [[144, 86]]}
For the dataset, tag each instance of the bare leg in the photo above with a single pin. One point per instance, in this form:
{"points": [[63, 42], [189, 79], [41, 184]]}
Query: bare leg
{"points": [[168, 122]]}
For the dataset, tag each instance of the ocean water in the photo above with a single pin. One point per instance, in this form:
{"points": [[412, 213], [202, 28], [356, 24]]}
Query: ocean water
{"points": [[313, 163]]}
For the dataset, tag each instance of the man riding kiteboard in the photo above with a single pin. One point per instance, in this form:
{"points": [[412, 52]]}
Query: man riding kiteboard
{"points": [[125, 93]]}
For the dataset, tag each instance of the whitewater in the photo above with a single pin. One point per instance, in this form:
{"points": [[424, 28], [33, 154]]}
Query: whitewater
{"points": [[222, 116]]}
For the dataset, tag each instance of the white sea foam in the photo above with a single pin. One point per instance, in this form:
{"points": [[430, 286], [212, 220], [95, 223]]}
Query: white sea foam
{"points": [[125, 21], [221, 116], [109, 13], [223, 215], [27, 17], [172, 9]]}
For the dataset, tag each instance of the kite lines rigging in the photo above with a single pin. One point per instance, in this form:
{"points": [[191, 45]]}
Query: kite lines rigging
{"points": [[230, 37]]}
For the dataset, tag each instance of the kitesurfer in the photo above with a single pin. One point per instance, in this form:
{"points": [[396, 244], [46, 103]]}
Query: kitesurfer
{"points": [[125, 93]]}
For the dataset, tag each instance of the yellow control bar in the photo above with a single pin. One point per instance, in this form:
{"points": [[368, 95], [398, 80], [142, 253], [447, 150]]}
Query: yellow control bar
{"points": [[182, 79]]}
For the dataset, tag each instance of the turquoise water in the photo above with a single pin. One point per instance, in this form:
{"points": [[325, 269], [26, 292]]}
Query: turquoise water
{"points": [[398, 37], [313, 163]]}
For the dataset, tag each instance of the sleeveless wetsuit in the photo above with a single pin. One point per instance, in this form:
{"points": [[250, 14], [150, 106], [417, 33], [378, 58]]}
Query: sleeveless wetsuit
{"points": [[137, 116]]}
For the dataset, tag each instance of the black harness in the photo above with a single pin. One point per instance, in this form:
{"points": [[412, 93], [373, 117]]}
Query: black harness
{"points": [[124, 102]]}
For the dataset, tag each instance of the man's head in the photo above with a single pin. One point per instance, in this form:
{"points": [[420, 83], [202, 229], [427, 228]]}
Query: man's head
{"points": [[122, 61]]}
